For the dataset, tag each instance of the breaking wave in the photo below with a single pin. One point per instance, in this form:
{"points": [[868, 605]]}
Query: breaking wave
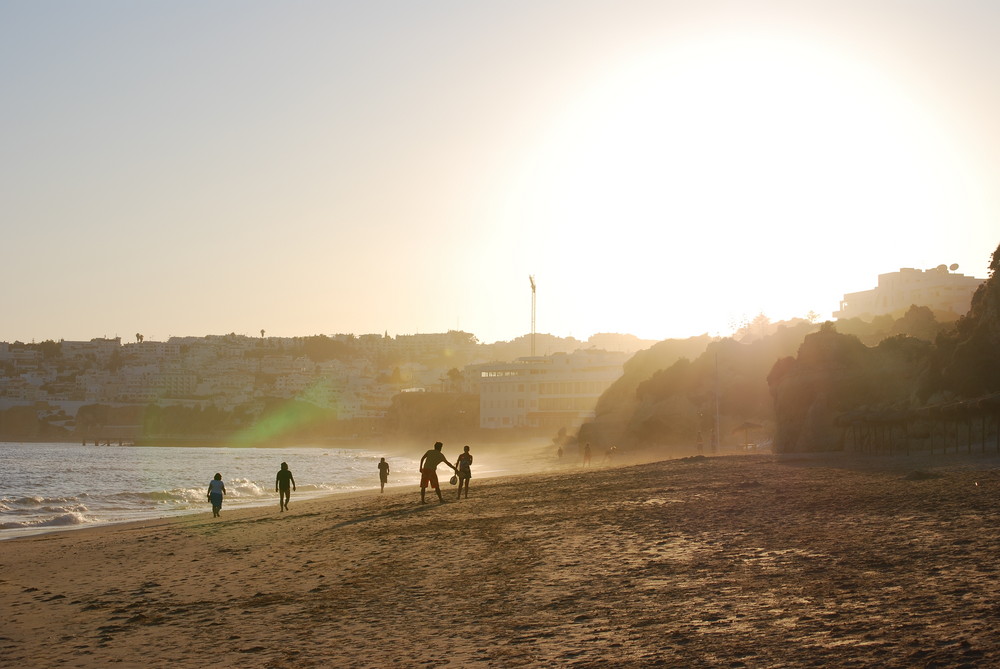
{"points": [[70, 519]]}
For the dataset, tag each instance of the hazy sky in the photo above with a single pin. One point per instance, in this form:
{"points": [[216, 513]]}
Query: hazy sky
{"points": [[662, 168]]}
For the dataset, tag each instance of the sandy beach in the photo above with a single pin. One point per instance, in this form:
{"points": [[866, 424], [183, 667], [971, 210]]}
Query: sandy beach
{"points": [[737, 561]]}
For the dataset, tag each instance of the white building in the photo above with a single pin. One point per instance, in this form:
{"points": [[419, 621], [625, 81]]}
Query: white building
{"points": [[99, 386], [151, 351], [230, 389], [551, 392], [293, 383], [936, 288], [177, 383], [99, 349], [19, 354], [138, 383]]}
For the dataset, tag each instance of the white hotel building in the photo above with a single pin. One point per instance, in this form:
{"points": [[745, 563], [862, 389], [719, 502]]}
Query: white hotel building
{"points": [[549, 392], [937, 288]]}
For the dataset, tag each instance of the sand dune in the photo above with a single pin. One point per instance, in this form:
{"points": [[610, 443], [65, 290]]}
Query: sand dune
{"points": [[731, 561]]}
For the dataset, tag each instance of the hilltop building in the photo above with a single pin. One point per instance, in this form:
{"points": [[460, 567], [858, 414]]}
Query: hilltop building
{"points": [[99, 349], [937, 288], [551, 392]]}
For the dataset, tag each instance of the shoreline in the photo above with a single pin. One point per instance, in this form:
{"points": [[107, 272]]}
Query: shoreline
{"points": [[491, 464], [836, 459], [25, 533]]}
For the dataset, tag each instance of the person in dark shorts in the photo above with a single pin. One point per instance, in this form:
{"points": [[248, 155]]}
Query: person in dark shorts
{"points": [[464, 462], [383, 472], [216, 491], [428, 471], [284, 483]]}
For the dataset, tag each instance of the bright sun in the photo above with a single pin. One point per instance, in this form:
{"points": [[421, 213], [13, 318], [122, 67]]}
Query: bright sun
{"points": [[711, 172]]}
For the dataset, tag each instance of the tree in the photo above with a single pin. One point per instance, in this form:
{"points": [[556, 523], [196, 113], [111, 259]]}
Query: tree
{"points": [[918, 322], [455, 378], [321, 348], [972, 354], [50, 349]]}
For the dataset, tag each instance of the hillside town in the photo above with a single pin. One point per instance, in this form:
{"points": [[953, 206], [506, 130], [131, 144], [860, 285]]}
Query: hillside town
{"points": [[350, 378], [211, 387]]}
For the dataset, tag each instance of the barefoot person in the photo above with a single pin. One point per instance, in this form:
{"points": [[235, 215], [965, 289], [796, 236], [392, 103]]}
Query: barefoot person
{"points": [[383, 472], [428, 471], [216, 491], [464, 462], [282, 481]]}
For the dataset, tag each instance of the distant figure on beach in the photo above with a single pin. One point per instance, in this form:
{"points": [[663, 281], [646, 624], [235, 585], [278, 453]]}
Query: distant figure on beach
{"points": [[559, 453], [383, 472], [428, 471], [216, 491], [586, 454], [282, 481], [464, 462]]}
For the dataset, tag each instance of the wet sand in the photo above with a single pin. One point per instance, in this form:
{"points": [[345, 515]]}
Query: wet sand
{"points": [[734, 561]]}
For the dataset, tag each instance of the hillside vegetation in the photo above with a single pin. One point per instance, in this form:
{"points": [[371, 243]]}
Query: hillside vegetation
{"points": [[792, 385]]}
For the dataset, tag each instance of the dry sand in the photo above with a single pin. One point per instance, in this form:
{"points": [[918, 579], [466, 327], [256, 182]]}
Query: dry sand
{"points": [[730, 561]]}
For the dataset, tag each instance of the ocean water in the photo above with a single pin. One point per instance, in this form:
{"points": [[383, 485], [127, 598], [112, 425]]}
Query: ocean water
{"points": [[44, 487]]}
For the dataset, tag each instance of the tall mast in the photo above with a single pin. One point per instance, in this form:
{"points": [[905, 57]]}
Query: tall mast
{"points": [[531, 278]]}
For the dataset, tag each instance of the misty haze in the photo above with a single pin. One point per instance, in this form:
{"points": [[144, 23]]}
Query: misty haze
{"points": [[499, 334]]}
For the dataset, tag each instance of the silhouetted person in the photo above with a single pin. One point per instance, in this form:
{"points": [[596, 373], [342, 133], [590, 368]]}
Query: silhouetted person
{"points": [[383, 473], [428, 471], [586, 454], [282, 481], [216, 491], [464, 463]]}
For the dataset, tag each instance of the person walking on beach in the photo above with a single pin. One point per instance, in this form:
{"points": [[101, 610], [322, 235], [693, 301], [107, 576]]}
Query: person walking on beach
{"points": [[586, 454], [383, 472], [281, 484], [216, 491], [428, 471], [464, 462]]}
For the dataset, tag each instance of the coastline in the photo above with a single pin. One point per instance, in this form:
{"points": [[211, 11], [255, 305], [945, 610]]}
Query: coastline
{"points": [[89, 495], [15, 534], [731, 560]]}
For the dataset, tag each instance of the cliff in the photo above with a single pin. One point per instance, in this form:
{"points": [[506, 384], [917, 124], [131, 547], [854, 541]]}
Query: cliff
{"points": [[835, 379]]}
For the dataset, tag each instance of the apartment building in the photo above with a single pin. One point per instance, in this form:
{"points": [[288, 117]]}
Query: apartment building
{"points": [[151, 351], [938, 288], [551, 392], [99, 349], [17, 354]]}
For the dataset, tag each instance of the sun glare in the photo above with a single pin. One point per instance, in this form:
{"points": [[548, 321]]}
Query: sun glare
{"points": [[712, 172]]}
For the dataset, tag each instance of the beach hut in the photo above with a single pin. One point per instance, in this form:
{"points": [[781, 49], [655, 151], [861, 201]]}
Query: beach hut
{"points": [[745, 428]]}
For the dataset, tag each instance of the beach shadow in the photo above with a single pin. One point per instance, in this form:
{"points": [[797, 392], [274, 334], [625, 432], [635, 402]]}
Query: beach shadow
{"points": [[406, 511]]}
